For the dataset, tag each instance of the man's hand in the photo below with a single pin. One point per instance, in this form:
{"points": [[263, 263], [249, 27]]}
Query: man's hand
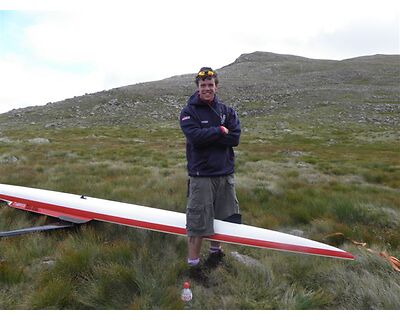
{"points": [[224, 130]]}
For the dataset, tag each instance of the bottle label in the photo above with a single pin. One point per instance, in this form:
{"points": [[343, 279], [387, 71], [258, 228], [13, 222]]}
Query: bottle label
{"points": [[186, 295]]}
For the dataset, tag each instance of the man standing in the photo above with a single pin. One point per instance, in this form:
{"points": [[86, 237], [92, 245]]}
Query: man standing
{"points": [[212, 129]]}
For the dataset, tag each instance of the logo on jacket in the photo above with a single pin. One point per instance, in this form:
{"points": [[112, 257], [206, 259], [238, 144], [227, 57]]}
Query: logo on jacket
{"points": [[223, 118], [185, 118]]}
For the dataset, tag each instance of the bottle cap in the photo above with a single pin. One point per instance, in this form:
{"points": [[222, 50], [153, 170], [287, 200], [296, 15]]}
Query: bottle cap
{"points": [[186, 285]]}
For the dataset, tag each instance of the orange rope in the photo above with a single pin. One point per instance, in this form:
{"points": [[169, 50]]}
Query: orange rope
{"points": [[393, 261]]}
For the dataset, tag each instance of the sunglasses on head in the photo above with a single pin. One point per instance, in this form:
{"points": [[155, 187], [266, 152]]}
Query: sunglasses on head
{"points": [[207, 73]]}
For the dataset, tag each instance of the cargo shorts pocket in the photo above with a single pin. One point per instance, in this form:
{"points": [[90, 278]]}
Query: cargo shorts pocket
{"points": [[232, 194], [231, 180], [196, 218]]}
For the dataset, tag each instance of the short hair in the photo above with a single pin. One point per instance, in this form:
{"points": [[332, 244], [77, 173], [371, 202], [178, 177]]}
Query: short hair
{"points": [[206, 73]]}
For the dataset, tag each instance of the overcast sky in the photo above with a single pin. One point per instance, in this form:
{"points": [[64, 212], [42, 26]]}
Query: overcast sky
{"points": [[53, 51]]}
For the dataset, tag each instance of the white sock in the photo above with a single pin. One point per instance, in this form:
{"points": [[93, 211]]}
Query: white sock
{"points": [[215, 249], [193, 262]]}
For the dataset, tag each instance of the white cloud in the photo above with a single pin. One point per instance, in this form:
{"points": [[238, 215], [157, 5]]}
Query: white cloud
{"points": [[90, 46], [24, 84]]}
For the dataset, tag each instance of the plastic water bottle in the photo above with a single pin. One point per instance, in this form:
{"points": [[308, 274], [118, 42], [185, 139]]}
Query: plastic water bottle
{"points": [[186, 294]]}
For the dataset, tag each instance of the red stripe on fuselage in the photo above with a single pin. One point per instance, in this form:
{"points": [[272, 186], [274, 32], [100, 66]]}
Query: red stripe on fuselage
{"points": [[57, 211], [281, 246]]}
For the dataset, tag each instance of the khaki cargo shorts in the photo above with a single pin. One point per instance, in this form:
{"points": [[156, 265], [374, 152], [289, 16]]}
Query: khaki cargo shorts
{"points": [[210, 198]]}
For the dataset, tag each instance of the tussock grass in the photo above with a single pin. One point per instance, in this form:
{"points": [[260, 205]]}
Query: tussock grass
{"points": [[314, 179]]}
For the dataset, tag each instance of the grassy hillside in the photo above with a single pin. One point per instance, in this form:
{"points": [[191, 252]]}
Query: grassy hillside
{"points": [[319, 155], [364, 89], [297, 172]]}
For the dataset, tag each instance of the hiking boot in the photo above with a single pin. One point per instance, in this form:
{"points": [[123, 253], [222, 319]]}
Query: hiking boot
{"points": [[198, 274], [214, 259]]}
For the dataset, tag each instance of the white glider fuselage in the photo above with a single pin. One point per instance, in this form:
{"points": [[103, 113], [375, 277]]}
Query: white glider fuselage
{"points": [[80, 209]]}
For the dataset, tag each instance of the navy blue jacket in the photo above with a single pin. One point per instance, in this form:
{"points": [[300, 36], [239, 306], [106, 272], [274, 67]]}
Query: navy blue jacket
{"points": [[209, 151]]}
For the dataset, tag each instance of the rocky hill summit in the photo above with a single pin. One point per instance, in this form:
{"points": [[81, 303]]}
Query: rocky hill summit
{"points": [[363, 89]]}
